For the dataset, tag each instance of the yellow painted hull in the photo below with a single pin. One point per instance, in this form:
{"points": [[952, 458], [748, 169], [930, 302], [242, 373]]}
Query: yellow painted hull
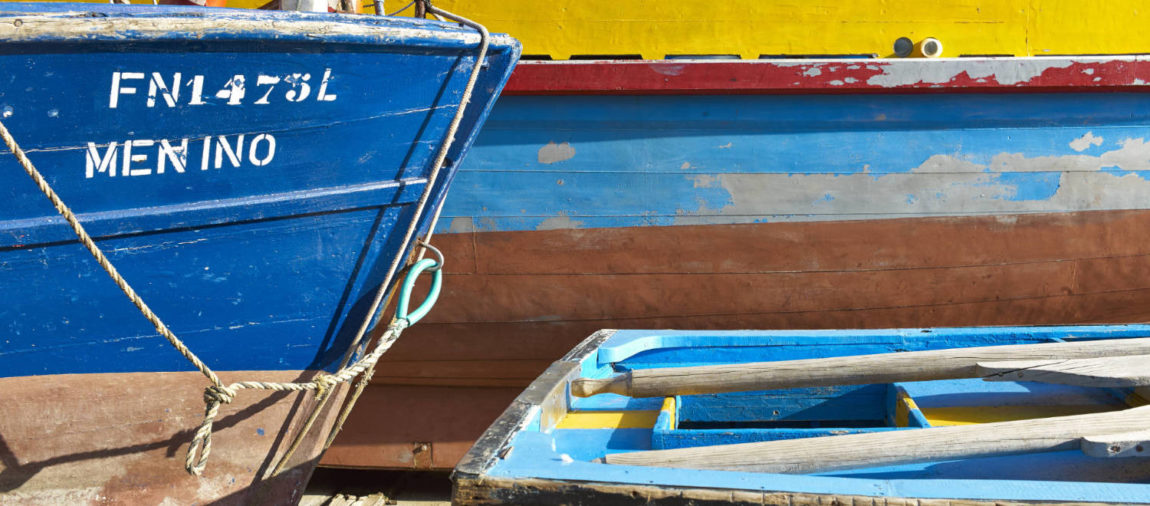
{"points": [[753, 28], [562, 29]]}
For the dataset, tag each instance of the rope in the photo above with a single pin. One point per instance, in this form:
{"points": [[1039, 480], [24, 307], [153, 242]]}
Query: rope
{"points": [[436, 166], [218, 393], [401, 9], [323, 384], [484, 36]]}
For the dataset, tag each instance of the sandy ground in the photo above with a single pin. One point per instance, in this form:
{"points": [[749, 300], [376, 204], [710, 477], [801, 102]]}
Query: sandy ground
{"points": [[350, 487]]}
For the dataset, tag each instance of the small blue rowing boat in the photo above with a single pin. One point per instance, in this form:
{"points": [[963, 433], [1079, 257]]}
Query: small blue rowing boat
{"points": [[970, 416], [253, 181]]}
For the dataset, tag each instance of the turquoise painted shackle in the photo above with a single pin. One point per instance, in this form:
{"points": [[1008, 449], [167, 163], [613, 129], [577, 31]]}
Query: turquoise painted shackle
{"points": [[409, 285]]}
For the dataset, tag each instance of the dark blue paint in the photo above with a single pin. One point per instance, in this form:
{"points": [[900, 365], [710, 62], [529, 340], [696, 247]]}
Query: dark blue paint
{"points": [[860, 402], [796, 413], [691, 438], [255, 267]]}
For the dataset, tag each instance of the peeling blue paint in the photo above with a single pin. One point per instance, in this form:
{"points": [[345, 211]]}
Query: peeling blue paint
{"points": [[652, 160]]}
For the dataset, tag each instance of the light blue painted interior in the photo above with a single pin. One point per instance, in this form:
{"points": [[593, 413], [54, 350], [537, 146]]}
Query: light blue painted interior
{"points": [[565, 455], [626, 344]]}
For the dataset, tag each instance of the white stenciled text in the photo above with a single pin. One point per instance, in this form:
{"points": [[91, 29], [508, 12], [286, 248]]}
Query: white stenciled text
{"points": [[157, 89], [146, 157]]}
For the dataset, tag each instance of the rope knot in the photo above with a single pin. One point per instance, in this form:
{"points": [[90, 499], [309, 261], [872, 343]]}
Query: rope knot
{"points": [[219, 395], [323, 382]]}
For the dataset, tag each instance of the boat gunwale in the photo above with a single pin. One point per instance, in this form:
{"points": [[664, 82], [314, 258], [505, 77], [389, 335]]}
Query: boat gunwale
{"points": [[1031, 74], [89, 23]]}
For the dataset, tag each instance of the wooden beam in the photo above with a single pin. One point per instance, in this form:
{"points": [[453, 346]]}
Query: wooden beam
{"points": [[1103, 372], [951, 363], [896, 447], [1130, 444]]}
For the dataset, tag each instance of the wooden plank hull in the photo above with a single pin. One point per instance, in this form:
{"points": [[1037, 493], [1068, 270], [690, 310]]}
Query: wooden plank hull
{"points": [[779, 194], [949, 271], [121, 438], [549, 447]]}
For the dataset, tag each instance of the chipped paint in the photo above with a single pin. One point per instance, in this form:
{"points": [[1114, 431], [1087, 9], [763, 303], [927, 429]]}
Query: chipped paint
{"points": [[1007, 71], [1080, 144], [462, 225], [668, 70], [831, 76], [942, 185], [558, 223], [555, 153], [88, 24], [657, 160]]}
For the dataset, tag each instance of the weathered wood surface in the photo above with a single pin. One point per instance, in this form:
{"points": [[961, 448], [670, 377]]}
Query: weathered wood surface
{"points": [[1129, 444], [850, 370], [119, 438], [898, 447], [1104, 372], [488, 490]]}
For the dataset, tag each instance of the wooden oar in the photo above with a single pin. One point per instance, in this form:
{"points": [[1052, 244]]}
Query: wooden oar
{"points": [[1109, 372], [1128, 444], [951, 363], [903, 447]]}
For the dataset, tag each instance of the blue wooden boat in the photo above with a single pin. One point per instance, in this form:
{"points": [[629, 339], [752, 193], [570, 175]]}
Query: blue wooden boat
{"points": [[549, 446], [256, 177]]}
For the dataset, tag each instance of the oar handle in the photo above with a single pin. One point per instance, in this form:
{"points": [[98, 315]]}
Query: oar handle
{"points": [[586, 387]]}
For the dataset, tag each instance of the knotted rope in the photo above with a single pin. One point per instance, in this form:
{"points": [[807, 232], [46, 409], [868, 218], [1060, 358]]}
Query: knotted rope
{"points": [[323, 384], [218, 393]]}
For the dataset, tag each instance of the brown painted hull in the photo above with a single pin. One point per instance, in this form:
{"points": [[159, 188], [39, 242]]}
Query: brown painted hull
{"points": [[515, 301], [121, 438]]}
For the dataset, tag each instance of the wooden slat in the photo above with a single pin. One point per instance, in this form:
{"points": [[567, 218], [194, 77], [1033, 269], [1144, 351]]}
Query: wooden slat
{"points": [[811, 247], [536, 297], [546, 339], [896, 447], [1129, 444], [1105, 372]]}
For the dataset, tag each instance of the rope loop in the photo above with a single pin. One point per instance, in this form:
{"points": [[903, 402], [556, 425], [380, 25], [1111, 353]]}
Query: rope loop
{"points": [[197, 457]]}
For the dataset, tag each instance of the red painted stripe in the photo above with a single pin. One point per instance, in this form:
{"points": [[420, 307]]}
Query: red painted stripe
{"points": [[1124, 73]]}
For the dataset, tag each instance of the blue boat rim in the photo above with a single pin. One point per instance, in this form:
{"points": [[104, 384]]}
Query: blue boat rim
{"points": [[30, 22]]}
